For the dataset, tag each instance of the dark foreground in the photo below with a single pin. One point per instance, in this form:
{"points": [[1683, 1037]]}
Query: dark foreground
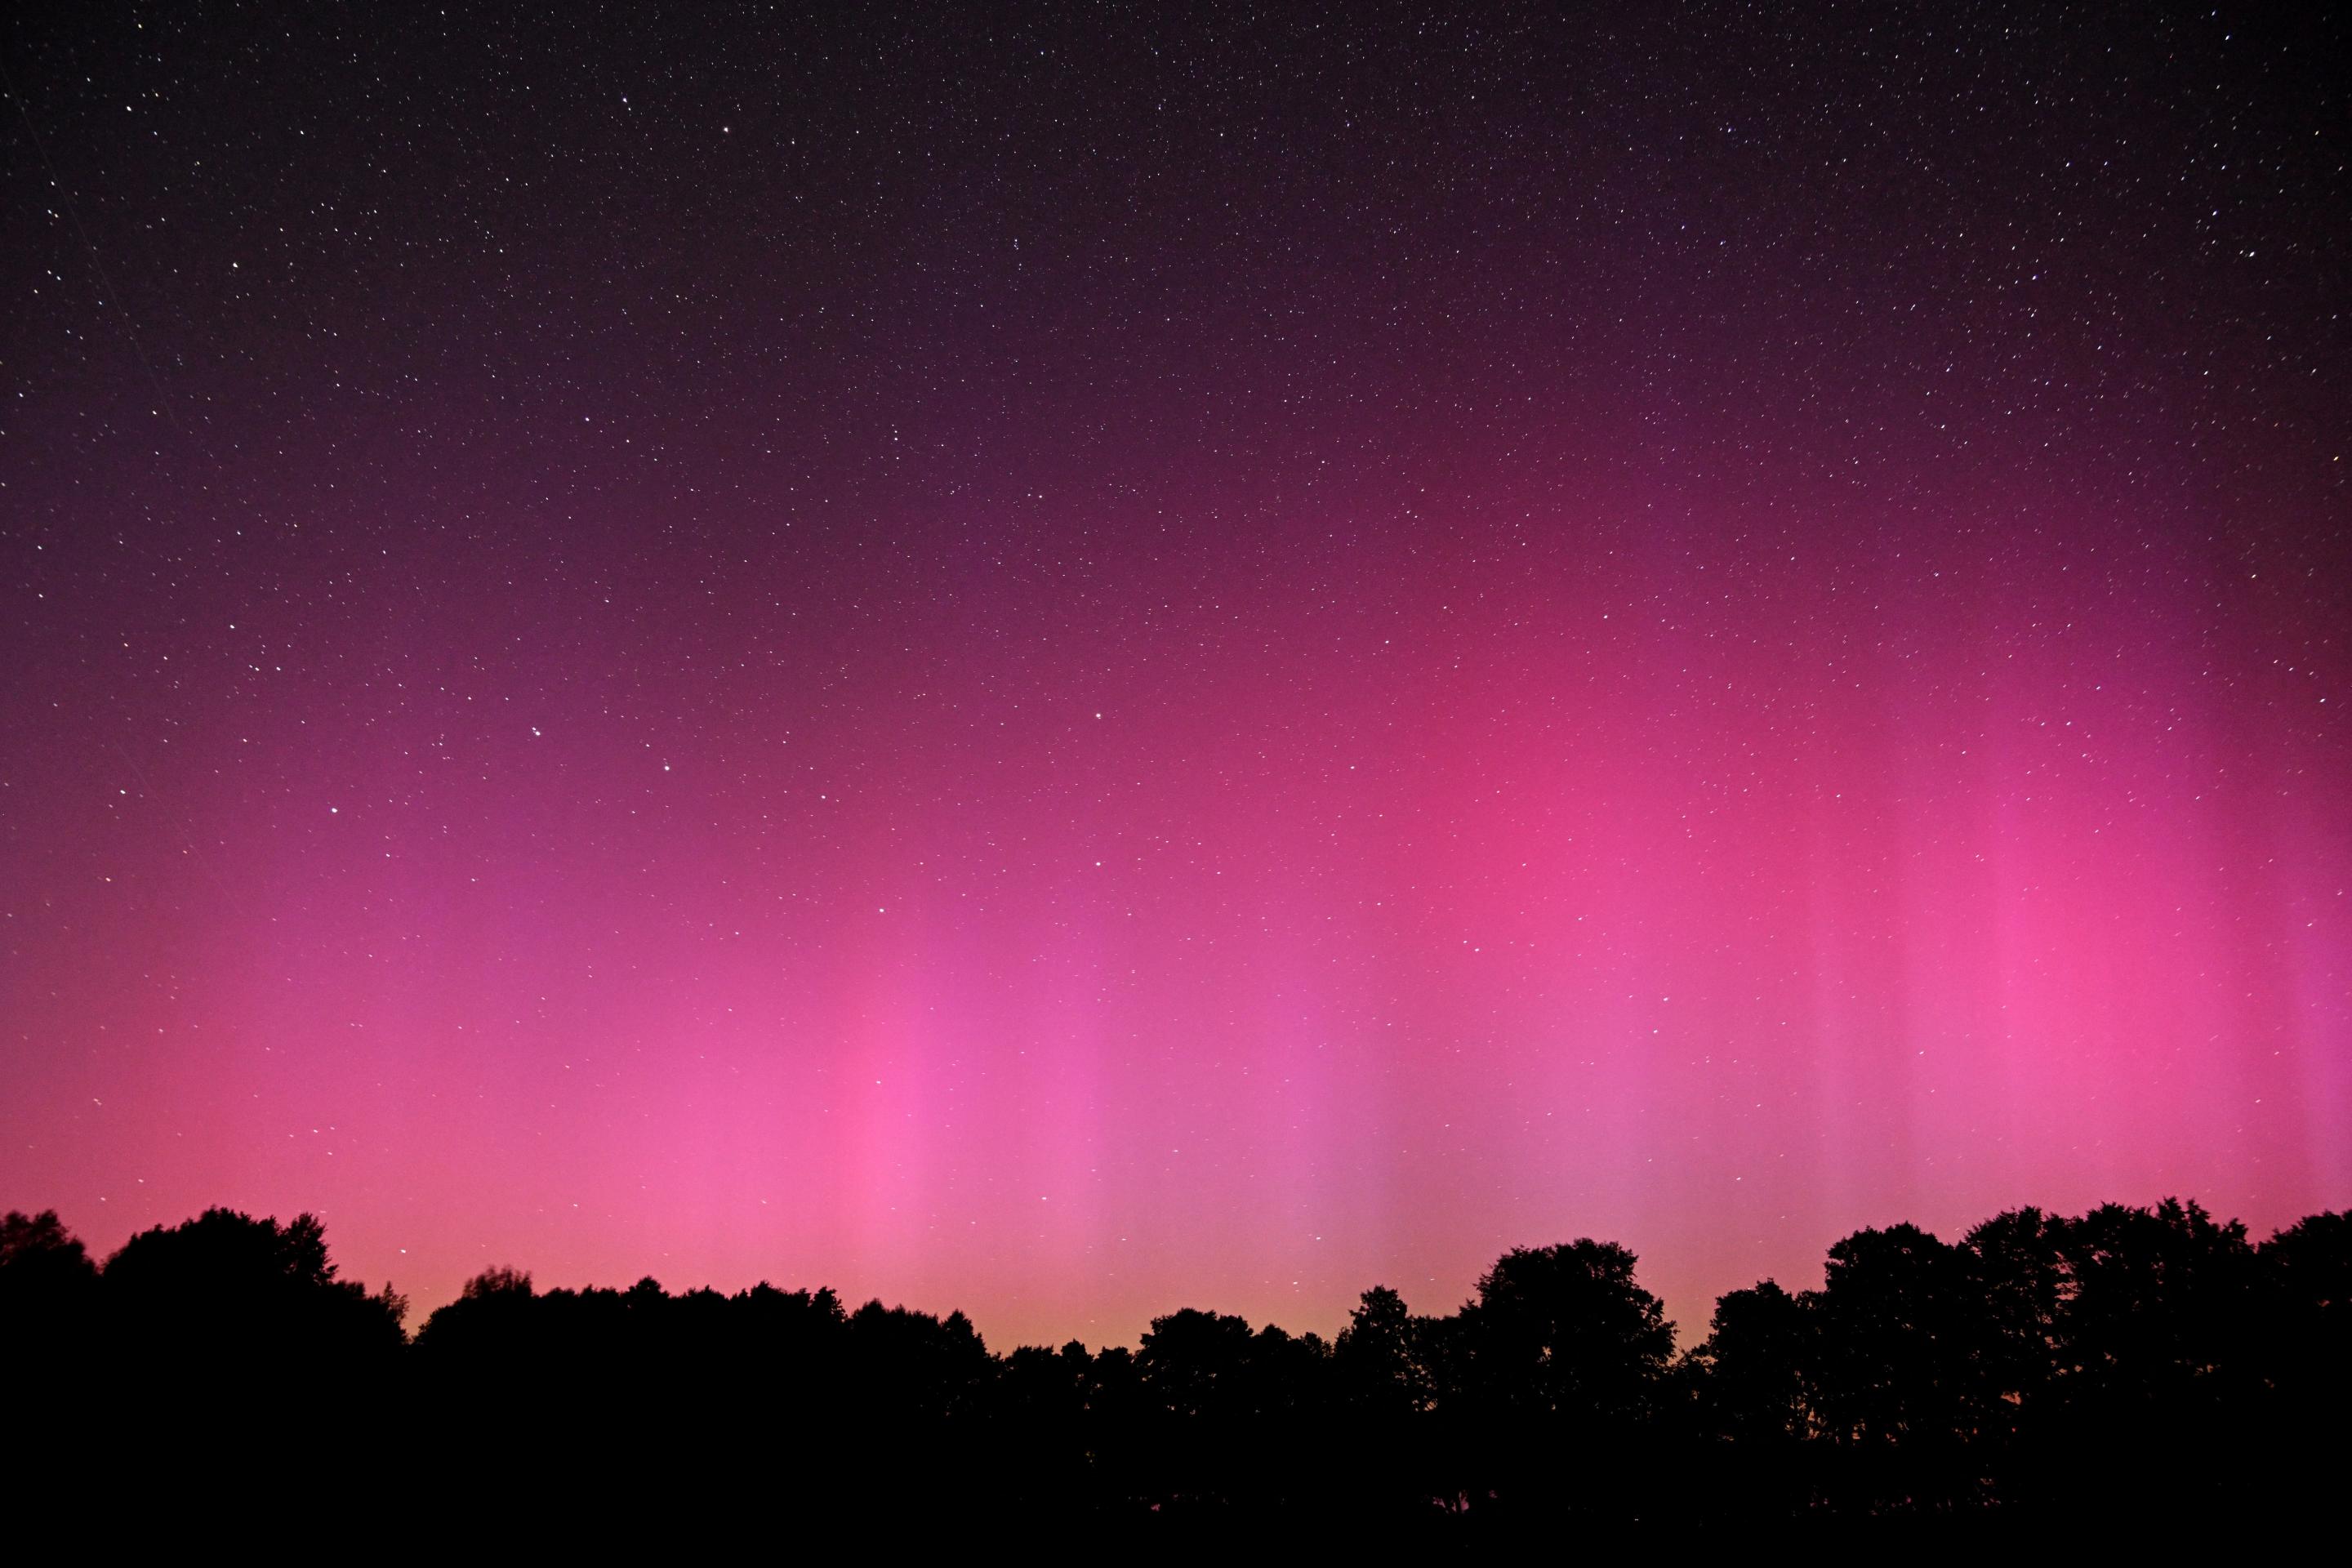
{"points": [[2128, 1377]]}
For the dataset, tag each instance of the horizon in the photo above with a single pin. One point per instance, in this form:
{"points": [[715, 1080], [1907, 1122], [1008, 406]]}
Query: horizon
{"points": [[421, 1307]]}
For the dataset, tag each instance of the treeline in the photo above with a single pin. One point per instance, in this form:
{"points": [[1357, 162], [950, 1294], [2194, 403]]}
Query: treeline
{"points": [[2150, 1368]]}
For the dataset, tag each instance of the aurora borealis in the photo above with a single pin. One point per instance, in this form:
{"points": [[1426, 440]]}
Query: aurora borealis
{"points": [[1074, 667]]}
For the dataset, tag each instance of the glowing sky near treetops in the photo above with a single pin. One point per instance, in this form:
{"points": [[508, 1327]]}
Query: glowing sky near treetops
{"points": [[1073, 672]]}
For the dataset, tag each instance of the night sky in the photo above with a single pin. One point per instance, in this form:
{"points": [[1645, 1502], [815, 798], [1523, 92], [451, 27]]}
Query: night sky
{"points": [[1079, 665]]}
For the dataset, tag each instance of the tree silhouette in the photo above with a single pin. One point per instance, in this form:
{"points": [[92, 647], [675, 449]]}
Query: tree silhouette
{"points": [[2044, 1373], [2014, 1266], [2157, 1353], [49, 1294], [1751, 1388], [1891, 1370], [2309, 1266], [225, 1291], [1377, 1359], [1889, 1358], [1552, 1376], [2305, 1356], [47, 1278], [1565, 1329]]}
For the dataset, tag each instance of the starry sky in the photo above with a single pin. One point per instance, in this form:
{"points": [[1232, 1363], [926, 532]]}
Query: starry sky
{"points": [[1075, 664]]}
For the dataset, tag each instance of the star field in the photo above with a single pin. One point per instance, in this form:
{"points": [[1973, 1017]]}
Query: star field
{"points": [[1121, 660]]}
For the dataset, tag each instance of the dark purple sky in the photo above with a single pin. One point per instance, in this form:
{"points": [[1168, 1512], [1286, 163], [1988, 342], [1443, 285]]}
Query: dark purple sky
{"points": [[1074, 668]]}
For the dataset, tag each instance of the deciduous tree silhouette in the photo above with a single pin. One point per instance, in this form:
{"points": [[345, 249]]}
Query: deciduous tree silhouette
{"points": [[1562, 1362], [1567, 1329], [226, 1291], [2309, 1266], [2157, 1353], [48, 1295], [1891, 1369], [1752, 1383], [1377, 1361], [2044, 1372], [47, 1278]]}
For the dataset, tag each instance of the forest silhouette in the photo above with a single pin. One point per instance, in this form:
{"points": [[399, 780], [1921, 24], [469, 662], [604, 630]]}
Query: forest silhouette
{"points": [[2148, 1369]]}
